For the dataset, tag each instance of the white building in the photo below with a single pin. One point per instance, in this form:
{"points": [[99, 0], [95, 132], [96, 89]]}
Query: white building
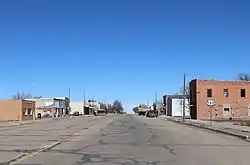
{"points": [[175, 106], [78, 106]]}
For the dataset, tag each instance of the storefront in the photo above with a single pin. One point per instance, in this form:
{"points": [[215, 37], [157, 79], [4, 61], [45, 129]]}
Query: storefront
{"points": [[58, 108], [44, 107], [67, 106], [62, 107], [51, 107]]}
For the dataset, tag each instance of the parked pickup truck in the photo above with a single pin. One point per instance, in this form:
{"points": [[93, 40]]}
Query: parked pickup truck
{"points": [[100, 113]]}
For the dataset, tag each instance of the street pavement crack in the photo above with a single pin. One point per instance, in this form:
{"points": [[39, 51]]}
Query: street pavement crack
{"points": [[171, 151], [153, 137]]}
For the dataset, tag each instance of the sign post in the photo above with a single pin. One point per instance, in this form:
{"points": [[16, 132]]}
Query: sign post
{"points": [[210, 103]]}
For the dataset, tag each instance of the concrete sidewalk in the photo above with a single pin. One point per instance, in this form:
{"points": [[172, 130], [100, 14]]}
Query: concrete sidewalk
{"points": [[228, 128], [4, 124], [14, 123]]}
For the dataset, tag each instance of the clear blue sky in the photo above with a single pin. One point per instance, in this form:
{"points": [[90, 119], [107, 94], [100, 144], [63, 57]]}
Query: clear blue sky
{"points": [[127, 49]]}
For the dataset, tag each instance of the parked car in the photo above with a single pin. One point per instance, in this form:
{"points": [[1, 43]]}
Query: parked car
{"points": [[100, 113], [76, 114]]}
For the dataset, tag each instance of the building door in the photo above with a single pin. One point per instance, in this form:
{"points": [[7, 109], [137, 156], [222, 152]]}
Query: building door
{"points": [[227, 111], [248, 109], [86, 111]]}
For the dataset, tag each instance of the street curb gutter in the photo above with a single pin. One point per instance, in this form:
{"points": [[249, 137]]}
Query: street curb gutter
{"points": [[244, 137]]}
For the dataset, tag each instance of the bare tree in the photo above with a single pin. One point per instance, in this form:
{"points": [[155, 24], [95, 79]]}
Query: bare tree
{"points": [[244, 77], [112, 108], [103, 106], [109, 108], [117, 106], [159, 106], [21, 96]]}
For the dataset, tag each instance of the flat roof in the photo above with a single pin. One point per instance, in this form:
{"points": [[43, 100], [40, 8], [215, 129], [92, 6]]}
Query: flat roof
{"points": [[221, 80], [60, 98]]}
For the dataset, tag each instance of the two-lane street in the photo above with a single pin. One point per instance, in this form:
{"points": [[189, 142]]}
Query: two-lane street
{"points": [[129, 139]]}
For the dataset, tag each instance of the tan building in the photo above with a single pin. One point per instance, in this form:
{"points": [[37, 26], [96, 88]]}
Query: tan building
{"points": [[16, 110], [220, 100]]}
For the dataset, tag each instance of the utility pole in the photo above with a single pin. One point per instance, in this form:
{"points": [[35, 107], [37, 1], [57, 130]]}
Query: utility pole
{"points": [[83, 103], [184, 97], [69, 94], [33, 101], [69, 101], [92, 106], [156, 110], [97, 104]]}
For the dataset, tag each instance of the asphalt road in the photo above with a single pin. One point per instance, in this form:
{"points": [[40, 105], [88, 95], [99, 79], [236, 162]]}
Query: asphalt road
{"points": [[17, 141], [128, 140]]}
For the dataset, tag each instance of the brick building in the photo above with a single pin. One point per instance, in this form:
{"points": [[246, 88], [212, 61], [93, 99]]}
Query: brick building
{"points": [[16, 110], [219, 100]]}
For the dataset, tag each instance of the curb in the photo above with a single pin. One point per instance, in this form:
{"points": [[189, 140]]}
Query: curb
{"points": [[241, 136], [18, 123]]}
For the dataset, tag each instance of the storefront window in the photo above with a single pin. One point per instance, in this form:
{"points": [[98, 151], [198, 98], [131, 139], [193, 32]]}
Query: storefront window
{"points": [[24, 111]]}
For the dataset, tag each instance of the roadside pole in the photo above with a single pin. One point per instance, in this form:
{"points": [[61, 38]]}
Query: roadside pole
{"points": [[210, 103], [84, 103], [69, 99], [92, 110], [155, 100], [184, 98], [155, 104], [210, 113], [33, 101], [53, 108]]}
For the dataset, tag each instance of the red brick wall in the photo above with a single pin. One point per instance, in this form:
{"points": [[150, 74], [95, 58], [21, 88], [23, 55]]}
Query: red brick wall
{"points": [[239, 105], [28, 104]]}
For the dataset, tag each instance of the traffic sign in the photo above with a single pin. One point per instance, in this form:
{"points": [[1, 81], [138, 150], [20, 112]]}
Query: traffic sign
{"points": [[210, 102]]}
